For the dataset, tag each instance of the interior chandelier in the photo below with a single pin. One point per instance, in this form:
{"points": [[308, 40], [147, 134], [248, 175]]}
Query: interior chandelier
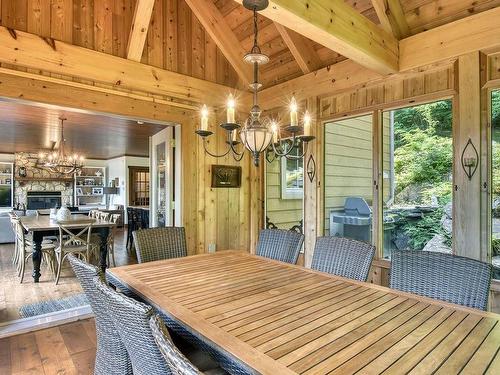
{"points": [[57, 161], [259, 134]]}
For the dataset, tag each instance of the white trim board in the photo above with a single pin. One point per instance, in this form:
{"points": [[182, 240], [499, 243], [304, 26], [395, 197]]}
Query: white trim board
{"points": [[35, 323]]}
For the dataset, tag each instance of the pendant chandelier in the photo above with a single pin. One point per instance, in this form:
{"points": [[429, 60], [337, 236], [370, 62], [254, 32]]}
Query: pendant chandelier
{"points": [[57, 161], [259, 134]]}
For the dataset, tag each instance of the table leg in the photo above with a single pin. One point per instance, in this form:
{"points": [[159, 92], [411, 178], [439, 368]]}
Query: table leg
{"points": [[103, 254], [37, 255]]}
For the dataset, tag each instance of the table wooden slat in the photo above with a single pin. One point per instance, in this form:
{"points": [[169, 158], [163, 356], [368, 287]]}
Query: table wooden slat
{"points": [[283, 319]]}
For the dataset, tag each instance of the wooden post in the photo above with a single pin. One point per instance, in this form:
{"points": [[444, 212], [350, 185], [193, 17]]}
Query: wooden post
{"points": [[377, 152], [467, 193], [311, 187]]}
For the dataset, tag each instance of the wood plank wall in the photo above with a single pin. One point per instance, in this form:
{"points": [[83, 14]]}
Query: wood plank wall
{"points": [[176, 40]]}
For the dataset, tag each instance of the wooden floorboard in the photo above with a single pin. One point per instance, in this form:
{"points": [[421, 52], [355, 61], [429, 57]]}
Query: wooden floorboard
{"points": [[13, 294], [68, 349]]}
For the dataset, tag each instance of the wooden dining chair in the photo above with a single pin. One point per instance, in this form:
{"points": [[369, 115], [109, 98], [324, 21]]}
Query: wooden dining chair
{"points": [[94, 214], [114, 219], [441, 276], [73, 239], [111, 355], [279, 244], [343, 257], [160, 243], [24, 248]]}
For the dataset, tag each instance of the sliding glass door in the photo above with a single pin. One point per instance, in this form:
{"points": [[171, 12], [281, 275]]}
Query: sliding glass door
{"points": [[348, 180], [417, 178]]}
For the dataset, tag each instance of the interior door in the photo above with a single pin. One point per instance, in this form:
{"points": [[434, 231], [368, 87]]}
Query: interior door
{"points": [[162, 178]]}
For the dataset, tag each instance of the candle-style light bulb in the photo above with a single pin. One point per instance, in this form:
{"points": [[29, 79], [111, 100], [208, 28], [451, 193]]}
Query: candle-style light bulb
{"points": [[307, 124], [294, 120], [204, 118], [274, 129], [231, 104]]}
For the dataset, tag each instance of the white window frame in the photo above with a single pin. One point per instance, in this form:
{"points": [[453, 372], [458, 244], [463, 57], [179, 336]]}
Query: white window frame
{"points": [[290, 193]]}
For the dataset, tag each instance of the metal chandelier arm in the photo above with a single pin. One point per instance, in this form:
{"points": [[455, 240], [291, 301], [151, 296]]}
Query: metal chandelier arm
{"points": [[212, 154]]}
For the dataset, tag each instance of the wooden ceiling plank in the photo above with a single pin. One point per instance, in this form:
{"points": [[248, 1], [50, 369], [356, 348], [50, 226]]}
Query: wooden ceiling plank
{"points": [[391, 17], [31, 51], [301, 49], [338, 26], [216, 26], [474, 33], [139, 30]]}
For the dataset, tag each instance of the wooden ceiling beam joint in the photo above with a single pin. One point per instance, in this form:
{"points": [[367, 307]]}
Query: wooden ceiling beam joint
{"points": [[392, 18], [339, 27]]}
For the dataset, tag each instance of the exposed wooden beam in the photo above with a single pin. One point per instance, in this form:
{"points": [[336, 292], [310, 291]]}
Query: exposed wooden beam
{"points": [[139, 29], [31, 51], [214, 23], [302, 51], [336, 25], [473, 33], [337, 77], [334, 79], [54, 91], [391, 17]]}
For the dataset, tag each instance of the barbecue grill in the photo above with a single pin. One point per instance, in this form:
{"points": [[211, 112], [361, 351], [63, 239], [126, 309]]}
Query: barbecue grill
{"points": [[352, 222]]}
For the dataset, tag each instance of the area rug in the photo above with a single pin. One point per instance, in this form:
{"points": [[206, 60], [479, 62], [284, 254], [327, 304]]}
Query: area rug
{"points": [[45, 307]]}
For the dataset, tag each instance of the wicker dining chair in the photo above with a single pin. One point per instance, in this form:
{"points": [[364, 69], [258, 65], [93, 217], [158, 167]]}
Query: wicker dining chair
{"points": [[160, 243], [176, 361], [73, 241], [343, 257], [279, 244], [131, 320], [441, 276], [111, 356]]}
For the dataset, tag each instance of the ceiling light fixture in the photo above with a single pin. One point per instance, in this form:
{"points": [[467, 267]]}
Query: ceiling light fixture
{"points": [[259, 134]]}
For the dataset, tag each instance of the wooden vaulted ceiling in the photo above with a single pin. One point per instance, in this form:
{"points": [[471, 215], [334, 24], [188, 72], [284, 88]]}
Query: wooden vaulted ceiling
{"points": [[176, 40]]}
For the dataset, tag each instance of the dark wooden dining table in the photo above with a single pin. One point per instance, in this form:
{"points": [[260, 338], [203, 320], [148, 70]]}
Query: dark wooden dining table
{"points": [[269, 317], [42, 226]]}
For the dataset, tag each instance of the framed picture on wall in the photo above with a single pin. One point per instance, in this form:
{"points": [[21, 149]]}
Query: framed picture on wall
{"points": [[226, 176]]}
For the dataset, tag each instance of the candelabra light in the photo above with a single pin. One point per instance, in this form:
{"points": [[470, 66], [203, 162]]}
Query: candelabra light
{"points": [[259, 135]]}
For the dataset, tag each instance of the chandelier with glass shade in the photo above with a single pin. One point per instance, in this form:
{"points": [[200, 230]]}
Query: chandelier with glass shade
{"points": [[259, 134], [56, 161]]}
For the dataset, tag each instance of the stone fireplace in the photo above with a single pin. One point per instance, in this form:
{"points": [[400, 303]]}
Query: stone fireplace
{"points": [[39, 181]]}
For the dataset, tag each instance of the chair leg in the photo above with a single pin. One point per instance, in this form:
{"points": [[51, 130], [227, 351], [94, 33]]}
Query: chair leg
{"points": [[59, 266]]}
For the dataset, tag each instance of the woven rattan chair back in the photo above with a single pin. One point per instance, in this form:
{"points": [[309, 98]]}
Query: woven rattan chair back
{"points": [[177, 362], [445, 277], [131, 319], [160, 243], [343, 257], [279, 244], [111, 357]]}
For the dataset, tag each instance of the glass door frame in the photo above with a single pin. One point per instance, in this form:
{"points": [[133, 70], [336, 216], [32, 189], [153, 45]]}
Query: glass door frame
{"points": [[171, 137]]}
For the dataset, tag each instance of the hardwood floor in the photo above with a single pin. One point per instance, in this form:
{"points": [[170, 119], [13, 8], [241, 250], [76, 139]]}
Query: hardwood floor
{"points": [[68, 349], [13, 294]]}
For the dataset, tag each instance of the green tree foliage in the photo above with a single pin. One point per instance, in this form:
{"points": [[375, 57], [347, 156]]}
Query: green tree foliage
{"points": [[423, 149]]}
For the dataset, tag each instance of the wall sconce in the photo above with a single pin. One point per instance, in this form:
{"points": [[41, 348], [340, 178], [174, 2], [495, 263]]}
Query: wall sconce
{"points": [[311, 168], [469, 159]]}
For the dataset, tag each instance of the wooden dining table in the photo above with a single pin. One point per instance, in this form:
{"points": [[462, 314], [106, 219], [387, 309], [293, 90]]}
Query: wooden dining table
{"points": [[43, 225], [274, 318]]}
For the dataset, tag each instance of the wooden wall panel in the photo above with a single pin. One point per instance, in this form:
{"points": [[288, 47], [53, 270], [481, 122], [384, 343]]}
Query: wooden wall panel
{"points": [[176, 40], [397, 92]]}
